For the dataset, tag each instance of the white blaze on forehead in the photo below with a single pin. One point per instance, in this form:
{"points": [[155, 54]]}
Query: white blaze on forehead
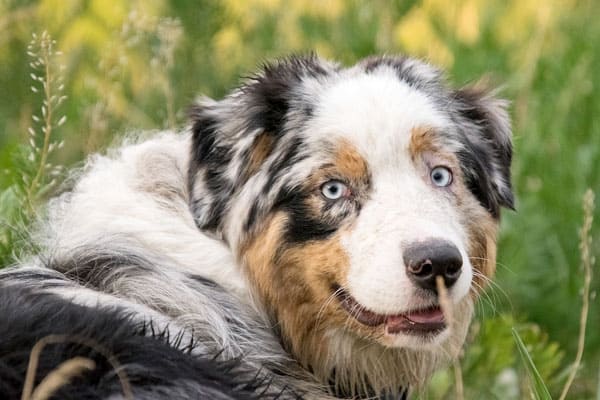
{"points": [[395, 217], [376, 112]]}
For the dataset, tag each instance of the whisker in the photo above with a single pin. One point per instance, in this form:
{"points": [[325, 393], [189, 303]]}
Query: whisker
{"points": [[499, 264], [493, 285], [323, 307], [481, 293], [493, 293]]}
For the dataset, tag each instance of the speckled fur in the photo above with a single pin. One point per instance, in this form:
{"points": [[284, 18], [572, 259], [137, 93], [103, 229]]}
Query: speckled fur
{"points": [[219, 235]]}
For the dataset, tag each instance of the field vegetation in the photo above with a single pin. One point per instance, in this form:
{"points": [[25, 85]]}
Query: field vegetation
{"points": [[77, 75]]}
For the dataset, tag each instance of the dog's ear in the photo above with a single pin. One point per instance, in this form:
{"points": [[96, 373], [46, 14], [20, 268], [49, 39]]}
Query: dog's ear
{"points": [[487, 153], [233, 137], [209, 184]]}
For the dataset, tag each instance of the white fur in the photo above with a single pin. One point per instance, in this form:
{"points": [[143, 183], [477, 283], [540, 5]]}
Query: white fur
{"points": [[377, 113], [118, 196]]}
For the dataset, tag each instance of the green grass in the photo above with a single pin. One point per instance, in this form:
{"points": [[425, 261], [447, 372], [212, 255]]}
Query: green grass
{"points": [[128, 69], [539, 388]]}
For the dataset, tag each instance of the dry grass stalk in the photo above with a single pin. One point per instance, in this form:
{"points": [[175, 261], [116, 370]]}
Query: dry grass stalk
{"points": [[445, 303], [28, 389], [587, 261], [446, 307], [458, 380], [61, 376]]}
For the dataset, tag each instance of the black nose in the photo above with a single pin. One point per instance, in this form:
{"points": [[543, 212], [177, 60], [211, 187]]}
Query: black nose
{"points": [[426, 260]]}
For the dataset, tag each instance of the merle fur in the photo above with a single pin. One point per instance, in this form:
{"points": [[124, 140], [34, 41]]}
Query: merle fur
{"points": [[151, 360], [155, 362], [270, 102], [267, 100]]}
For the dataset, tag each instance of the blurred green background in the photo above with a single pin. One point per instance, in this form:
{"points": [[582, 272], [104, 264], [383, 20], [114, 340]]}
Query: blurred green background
{"points": [[131, 65]]}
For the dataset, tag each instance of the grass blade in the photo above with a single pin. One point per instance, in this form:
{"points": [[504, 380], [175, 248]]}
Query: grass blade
{"points": [[538, 385]]}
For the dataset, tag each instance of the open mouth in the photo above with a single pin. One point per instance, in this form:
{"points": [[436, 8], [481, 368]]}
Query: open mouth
{"points": [[427, 321]]}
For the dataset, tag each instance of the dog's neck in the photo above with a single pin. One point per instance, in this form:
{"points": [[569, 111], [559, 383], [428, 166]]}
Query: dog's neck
{"points": [[359, 368]]}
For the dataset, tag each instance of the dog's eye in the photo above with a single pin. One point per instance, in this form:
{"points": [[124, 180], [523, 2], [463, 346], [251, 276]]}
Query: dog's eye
{"points": [[441, 176], [334, 190]]}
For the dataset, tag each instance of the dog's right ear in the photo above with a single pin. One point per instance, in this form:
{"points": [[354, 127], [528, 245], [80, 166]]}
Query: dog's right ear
{"points": [[487, 152], [233, 137]]}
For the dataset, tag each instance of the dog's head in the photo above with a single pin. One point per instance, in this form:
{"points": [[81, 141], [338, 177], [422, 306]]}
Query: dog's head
{"points": [[345, 193]]}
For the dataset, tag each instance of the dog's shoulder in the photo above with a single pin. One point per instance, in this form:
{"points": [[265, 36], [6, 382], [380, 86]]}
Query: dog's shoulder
{"points": [[135, 198]]}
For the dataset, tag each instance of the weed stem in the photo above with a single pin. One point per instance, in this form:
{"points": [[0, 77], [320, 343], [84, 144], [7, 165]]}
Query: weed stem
{"points": [[587, 261]]}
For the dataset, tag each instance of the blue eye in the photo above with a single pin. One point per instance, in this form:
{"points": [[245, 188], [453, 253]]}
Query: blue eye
{"points": [[334, 190], [441, 176]]}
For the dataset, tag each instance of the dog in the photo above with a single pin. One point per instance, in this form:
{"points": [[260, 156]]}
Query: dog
{"points": [[297, 240]]}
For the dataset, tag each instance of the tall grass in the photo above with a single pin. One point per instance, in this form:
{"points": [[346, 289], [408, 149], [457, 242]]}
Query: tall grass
{"points": [[36, 176], [539, 389], [138, 66]]}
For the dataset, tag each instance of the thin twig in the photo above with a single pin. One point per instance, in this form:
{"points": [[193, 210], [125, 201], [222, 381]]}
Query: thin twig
{"points": [[444, 299], [61, 376], [587, 260], [458, 379], [446, 307], [54, 339]]}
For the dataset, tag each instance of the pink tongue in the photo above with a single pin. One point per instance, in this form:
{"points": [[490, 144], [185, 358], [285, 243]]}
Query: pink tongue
{"points": [[422, 321], [433, 315]]}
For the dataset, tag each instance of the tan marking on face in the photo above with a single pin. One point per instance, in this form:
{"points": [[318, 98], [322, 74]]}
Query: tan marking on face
{"points": [[261, 148], [347, 165], [426, 152], [295, 284], [350, 163], [258, 254], [482, 230], [422, 140]]}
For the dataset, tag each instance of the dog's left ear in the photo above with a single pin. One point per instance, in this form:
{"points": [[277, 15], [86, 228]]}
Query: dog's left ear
{"points": [[487, 154], [233, 137]]}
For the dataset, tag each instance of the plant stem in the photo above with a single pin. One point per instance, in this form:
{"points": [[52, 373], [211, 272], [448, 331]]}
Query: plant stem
{"points": [[46, 52], [586, 259], [458, 379]]}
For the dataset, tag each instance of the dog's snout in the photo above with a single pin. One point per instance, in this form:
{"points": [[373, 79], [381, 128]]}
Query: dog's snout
{"points": [[426, 260]]}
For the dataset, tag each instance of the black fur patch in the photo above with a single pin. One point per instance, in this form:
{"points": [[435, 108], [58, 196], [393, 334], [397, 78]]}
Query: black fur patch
{"points": [[292, 154], [211, 157], [252, 215], [405, 68], [95, 269], [486, 156], [272, 91], [154, 367], [475, 166], [301, 227]]}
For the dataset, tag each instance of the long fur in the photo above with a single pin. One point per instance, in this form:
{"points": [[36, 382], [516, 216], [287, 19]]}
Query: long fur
{"points": [[210, 249]]}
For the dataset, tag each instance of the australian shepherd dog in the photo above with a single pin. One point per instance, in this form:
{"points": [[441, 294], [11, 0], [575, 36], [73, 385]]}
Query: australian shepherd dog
{"points": [[298, 240]]}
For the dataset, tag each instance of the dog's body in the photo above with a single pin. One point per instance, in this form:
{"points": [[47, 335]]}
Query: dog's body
{"points": [[289, 245]]}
